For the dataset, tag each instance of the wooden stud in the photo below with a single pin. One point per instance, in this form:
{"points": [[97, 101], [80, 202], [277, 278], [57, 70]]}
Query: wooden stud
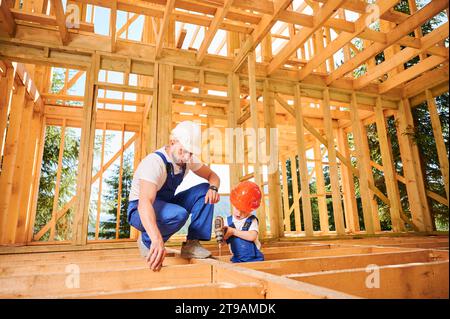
{"points": [[363, 178], [320, 184], [303, 168], [334, 177]]}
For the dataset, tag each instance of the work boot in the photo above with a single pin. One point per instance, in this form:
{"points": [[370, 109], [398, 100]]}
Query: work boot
{"points": [[193, 249]]}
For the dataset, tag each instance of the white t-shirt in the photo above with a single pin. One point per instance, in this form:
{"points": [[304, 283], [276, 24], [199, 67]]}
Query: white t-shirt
{"points": [[239, 223], [153, 169]]}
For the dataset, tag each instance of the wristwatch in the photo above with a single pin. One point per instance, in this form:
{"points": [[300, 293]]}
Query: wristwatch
{"points": [[214, 188]]}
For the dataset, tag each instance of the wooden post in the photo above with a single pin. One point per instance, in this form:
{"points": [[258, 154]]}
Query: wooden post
{"points": [[363, 176], [164, 104], [276, 218], [232, 147], [303, 168], [418, 207], [334, 177], [287, 211], [86, 153], [320, 183], [388, 169], [373, 200], [348, 184], [9, 163], [295, 194], [6, 90], [261, 214], [439, 139]]}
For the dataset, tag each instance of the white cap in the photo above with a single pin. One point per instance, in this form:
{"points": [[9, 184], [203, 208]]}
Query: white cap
{"points": [[189, 134]]}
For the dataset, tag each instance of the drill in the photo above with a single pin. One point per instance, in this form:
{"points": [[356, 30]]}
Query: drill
{"points": [[218, 229]]}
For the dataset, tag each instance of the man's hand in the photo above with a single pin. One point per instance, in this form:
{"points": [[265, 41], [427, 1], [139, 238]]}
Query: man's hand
{"points": [[211, 197], [156, 255]]}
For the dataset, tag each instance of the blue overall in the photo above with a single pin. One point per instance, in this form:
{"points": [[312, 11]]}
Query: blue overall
{"points": [[243, 250], [172, 210]]}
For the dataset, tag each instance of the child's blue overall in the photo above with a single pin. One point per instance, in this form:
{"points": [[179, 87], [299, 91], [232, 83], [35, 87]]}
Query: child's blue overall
{"points": [[172, 210], [243, 250]]}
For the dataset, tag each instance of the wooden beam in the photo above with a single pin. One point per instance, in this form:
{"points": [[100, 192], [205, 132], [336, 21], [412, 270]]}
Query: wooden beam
{"points": [[404, 28], [170, 4], [325, 12], [6, 18], [58, 9], [113, 25], [212, 29]]}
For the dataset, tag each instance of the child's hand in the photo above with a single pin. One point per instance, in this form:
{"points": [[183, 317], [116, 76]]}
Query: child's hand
{"points": [[228, 232]]}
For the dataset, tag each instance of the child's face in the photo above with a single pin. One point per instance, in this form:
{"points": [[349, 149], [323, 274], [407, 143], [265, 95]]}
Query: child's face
{"points": [[238, 214]]}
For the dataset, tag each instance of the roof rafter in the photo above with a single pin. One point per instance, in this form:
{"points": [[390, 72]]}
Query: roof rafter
{"points": [[213, 27], [360, 25], [163, 28], [325, 12], [403, 56], [260, 32], [407, 26]]}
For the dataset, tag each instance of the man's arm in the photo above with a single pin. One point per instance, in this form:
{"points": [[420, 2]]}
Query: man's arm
{"points": [[147, 195], [205, 172]]}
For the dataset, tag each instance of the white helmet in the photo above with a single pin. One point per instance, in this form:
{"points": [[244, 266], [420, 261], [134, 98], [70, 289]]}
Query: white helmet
{"points": [[189, 135]]}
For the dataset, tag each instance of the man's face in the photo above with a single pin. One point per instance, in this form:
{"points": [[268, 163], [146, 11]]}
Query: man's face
{"points": [[179, 154]]}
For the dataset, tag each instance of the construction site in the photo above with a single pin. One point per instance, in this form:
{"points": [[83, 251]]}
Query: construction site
{"points": [[337, 109]]}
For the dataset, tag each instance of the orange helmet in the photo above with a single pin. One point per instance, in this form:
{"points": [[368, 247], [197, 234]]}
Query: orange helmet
{"points": [[246, 196]]}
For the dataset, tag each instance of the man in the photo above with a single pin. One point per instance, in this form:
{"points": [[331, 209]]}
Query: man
{"points": [[157, 212]]}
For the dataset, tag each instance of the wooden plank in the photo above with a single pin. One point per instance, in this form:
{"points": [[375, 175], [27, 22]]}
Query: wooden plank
{"points": [[303, 168], [328, 263], [439, 139], [363, 178], [112, 25], [411, 281], [334, 177], [6, 87], [56, 283], [388, 169], [286, 211], [295, 194]]}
